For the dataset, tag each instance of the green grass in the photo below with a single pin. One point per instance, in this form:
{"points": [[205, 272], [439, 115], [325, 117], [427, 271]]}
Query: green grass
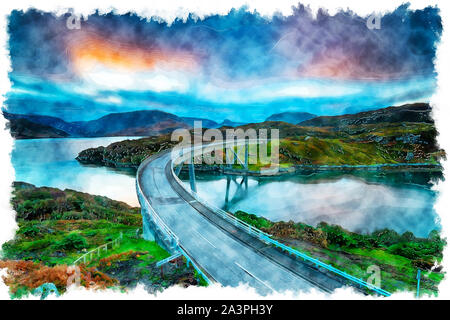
{"points": [[355, 145], [155, 252], [317, 151], [397, 273], [257, 222], [340, 148], [57, 227], [397, 256], [44, 246]]}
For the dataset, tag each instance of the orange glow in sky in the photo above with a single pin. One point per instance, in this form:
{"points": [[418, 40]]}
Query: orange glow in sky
{"points": [[89, 51], [337, 64]]}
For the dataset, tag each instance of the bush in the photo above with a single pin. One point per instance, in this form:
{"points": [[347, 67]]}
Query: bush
{"points": [[254, 220], [72, 241], [73, 215], [29, 231], [36, 194], [75, 202], [386, 237], [33, 209], [25, 209], [24, 276], [36, 245], [408, 236], [406, 250], [426, 250], [91, 233], [337, 236]]}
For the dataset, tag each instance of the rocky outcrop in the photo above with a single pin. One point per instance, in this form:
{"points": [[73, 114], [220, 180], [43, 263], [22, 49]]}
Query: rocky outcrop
{"points": [[125, 154], [417, 112], [92, 156]]}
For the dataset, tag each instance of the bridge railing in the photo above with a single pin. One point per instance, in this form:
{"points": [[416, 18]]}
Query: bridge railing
{"points": [[88, 256], [155, 217], [183, 156], [196, 267], [328, 267], [168, 259], [223, 214], [163, 227], [267, 238], [158, 221]]}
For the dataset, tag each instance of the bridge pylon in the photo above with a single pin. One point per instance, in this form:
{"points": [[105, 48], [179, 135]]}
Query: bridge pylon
{"points": [[192, 175]]}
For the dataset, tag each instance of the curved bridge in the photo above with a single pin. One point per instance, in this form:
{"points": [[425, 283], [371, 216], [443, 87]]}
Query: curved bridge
{"points": [[222, 248]]}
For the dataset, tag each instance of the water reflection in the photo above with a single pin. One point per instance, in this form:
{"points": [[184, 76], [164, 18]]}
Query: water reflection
{"points": [[359, 201], [51, 162]]}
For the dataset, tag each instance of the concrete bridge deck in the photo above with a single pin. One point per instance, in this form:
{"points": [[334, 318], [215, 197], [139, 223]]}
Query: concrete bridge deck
{"points": [[223, 251]]}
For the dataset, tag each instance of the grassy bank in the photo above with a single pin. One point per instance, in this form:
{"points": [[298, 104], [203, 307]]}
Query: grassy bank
{"points": [[365, 144], [397, 255], [56, 227]]}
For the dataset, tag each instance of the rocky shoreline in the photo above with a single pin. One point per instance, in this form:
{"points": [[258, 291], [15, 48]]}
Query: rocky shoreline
{"points": [[223, 169], [318, 168], [99, 157]]}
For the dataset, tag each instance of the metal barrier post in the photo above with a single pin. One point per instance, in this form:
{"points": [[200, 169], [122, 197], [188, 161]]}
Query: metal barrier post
{"points": [[418, 283]]}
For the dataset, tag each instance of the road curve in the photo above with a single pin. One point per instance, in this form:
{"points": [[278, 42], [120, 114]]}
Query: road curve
{"points": [[225, 253]]}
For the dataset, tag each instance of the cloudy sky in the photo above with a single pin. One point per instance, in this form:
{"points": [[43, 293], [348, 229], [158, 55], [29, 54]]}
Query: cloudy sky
{"points": [[241, 66]]}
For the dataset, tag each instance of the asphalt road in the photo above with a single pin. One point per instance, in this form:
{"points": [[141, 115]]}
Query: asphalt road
{"points": [[227, 254]]}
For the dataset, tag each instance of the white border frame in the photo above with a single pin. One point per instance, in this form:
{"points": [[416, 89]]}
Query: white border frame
{"points": [[169, 9]]}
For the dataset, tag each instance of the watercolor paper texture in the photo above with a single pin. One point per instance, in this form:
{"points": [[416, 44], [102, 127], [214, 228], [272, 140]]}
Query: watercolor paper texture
{"points": [[301, 147]]}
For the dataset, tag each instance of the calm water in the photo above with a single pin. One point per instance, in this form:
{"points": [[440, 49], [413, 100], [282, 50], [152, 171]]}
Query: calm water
{"points": [[51, 162], [359, 201]]}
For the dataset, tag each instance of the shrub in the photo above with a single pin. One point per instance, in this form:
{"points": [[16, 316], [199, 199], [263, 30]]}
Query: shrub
{"points": [[408, 236], [75, 202], [36, 245], [386, 237], [426, 250], [258, 222], [337, 236], [25, 209], [73, 215], [72, 241], [29, 231], [91, 233], [36, 194], [32, 209], [23, 276]]}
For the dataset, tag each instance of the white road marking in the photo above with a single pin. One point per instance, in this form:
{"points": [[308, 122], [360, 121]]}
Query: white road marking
{"points": [[205, 239], [251, 274]]}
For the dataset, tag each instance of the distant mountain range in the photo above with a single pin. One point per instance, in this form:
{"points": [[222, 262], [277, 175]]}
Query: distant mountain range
{"points": [[135, 123], [25, 129], [155, 122], [291, 117], [229, 123], [416, 112], [210, 123], [60, 126]]}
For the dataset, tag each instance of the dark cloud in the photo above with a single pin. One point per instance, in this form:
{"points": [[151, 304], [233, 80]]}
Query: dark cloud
{"points": [[241, 47], [244, 44]]}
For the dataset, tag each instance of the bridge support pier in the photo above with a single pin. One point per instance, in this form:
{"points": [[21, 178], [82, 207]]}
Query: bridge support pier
{"points": [[227, 192], [246, 155], [178, 169], [148, 232], [192, 177], [192, 173]]}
